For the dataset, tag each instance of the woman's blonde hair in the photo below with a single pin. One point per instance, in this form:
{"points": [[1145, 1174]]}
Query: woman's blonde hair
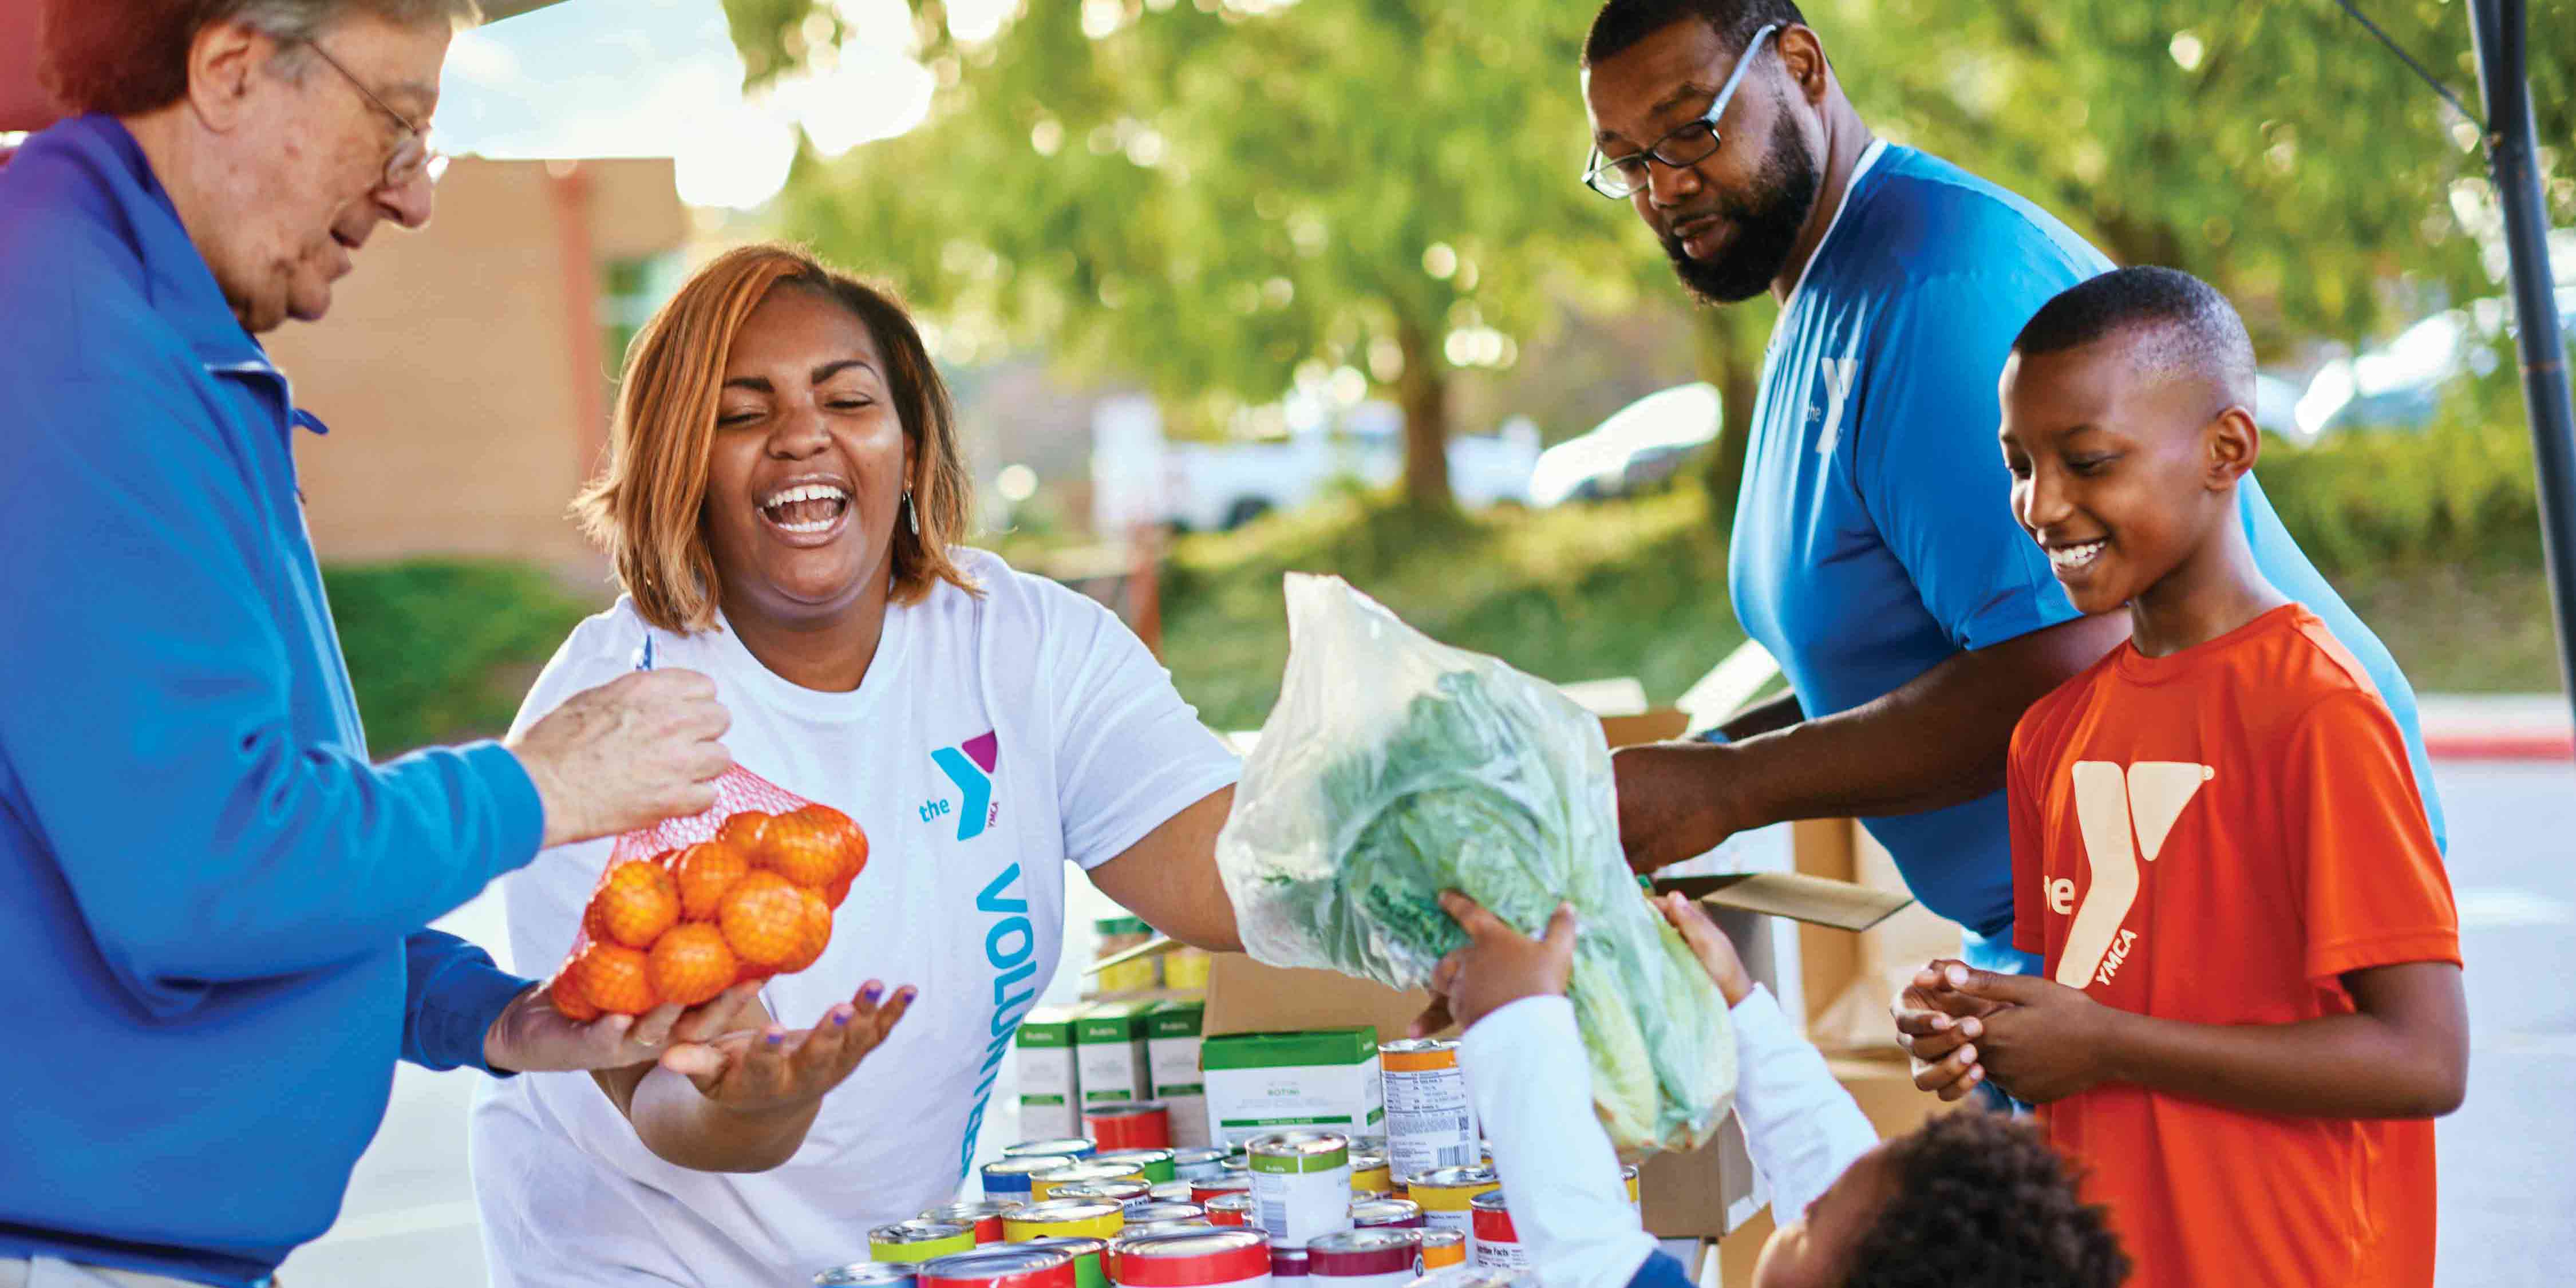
{"points": [[647, 508]]}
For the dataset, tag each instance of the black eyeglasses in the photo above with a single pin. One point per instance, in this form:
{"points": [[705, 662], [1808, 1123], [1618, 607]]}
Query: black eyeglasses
{"points": [[412, 157], [1682, 148]]}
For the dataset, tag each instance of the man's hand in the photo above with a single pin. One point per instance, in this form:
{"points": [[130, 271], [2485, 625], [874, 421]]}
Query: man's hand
{"points": [[2043, 1041], [773, 1069], [1715, 951], [1668, 810], [628, 754], [1938, 1025], [531, 1036], [1498, 966]]}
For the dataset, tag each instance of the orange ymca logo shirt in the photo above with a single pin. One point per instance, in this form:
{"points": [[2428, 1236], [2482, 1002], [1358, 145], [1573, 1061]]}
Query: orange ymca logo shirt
{"points": [[2216, 837]]}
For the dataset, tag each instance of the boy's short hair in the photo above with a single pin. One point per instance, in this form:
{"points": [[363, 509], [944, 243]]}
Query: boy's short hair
{"points": [[2178, 324], [1981, 1199]]}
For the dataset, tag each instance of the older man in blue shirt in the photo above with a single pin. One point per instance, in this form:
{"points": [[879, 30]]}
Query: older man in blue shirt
{"points": [[1875, 551], [213, 937]]}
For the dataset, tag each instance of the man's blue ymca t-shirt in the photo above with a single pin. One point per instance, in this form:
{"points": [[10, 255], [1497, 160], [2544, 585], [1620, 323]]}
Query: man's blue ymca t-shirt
{"points": [[1875, 537]]}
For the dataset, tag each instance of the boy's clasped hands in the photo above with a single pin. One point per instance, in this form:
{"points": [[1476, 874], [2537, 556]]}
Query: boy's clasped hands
{"points": [[2034, 1038]]}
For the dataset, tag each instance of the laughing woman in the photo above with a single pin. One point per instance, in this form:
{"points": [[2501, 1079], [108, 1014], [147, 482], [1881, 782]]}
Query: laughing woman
{"points": [[784, 503]]}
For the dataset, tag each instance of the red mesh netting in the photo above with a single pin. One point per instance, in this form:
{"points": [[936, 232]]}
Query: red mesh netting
{"points": [[691, 906]]}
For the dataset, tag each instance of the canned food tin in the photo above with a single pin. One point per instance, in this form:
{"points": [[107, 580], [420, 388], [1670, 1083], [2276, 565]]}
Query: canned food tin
{"points": [[1231, 1183], [1386, 1213], [1446, 1193], [1090, 1259], [1473, 1277], [1230, 1209], [1288, 1260], [1497, 1246], [1064, 1218], [1135, 1124], [1198, 1164], [1156, 1164], [1171, 1192], [1054, 1147], [1126, 1194], [1164, 1212], [1043, 1185], [1301, 1183], [1195, 1259], [1000, 1268], [866, 1274], [1430, 1122], [1442, 1248], [1008, 1178], [1636, 1202], [984, 1218], [1366, 1258], [1369, 1174], [1158, 1227], [919, 1240]]}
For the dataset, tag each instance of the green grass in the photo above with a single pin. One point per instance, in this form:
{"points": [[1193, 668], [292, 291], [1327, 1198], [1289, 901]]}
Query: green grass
{"points": [[2461, 628], [1580, 593], [443, 650]]}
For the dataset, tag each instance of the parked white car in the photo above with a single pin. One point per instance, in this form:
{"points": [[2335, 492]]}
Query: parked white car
{"points": [[1640, 445], [1137, 476]]}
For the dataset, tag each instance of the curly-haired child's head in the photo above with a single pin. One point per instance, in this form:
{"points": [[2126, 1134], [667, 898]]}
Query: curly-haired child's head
{"points": [[1970, 1197]]}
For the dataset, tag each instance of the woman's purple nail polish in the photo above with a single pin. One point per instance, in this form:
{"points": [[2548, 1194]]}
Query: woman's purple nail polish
{"points": [[775, 1037], [840, 1018], [907, 993], [872, 992]]}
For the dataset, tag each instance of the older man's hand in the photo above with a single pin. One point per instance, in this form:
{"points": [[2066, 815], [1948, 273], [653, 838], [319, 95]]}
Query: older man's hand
{"points": [[628, 754], [531, 1036]]}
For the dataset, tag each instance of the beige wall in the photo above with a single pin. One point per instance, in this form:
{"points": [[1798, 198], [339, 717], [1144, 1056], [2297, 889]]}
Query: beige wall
{"points": [[452, 366]]}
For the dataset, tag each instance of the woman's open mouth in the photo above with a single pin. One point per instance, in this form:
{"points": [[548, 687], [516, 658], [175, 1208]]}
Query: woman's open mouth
{"points": [[806, 513]]}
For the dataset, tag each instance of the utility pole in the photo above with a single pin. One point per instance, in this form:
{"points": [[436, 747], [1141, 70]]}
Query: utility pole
{"points": [[2498, 27]]}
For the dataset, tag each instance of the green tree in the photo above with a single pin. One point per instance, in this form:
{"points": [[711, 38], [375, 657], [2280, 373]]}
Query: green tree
{"points": [[2275, 149], [1209, 197]]}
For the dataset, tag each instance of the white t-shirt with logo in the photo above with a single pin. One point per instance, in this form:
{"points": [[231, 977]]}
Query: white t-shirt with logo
{"points": [[993, 739]]}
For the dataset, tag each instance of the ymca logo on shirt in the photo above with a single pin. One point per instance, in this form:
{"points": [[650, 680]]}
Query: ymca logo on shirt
{"points": [[2125, 816], [969, 764]]}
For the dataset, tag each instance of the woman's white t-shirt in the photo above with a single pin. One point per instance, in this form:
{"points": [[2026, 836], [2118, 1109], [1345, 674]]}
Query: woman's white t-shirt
{"points": [[994, 738]]}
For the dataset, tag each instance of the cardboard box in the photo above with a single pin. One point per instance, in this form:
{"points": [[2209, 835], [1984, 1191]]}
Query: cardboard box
{"points": [[1848, 980], [1050, 1081], [1172, 1037], [1272, 1081], [1110, 1053]]}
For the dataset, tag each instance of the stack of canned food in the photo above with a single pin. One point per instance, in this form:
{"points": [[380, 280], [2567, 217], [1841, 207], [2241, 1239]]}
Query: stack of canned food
{"points": [[1420, 1207]]}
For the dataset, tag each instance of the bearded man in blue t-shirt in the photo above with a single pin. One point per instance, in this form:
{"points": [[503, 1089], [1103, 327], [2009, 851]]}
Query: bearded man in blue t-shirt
{"points": [[1875, 551]]}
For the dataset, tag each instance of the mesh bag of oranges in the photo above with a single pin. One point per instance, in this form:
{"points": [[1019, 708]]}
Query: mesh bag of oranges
{"points": [[692, 906]]}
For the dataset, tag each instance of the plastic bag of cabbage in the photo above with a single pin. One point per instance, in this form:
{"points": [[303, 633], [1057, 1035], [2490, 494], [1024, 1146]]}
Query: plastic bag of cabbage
{"points": [[1395, 767]]}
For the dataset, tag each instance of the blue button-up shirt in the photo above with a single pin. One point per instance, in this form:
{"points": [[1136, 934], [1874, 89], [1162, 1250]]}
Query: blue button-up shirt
{"points": [[211, 938]]}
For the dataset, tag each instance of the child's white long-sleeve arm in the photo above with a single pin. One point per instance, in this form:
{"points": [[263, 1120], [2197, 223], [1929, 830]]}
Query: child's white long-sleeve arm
{"points": [[1532, 1085], [1800, 1126]]}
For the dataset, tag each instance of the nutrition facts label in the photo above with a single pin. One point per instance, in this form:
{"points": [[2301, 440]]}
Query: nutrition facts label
{"points": [[1429, 1121]]}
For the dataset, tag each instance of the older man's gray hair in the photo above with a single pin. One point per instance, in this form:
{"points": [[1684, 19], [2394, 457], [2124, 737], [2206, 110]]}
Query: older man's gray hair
{"points": [[126, 57]]}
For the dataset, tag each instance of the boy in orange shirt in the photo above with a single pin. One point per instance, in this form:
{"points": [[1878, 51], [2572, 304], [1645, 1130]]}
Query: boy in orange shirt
{"points": [[2252, 1005]]}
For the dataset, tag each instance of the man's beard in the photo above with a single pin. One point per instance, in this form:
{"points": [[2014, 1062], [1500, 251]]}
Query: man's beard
{"points": [[1766, 225]]}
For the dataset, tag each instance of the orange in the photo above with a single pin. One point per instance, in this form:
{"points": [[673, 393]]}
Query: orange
{"points": [[852, 838], [614, 977], [839, 890], [592, 922], [691, 964], [817, 936], [802, 847], [764, 919], [637, 902], [704, 872], [742, 830], [568, 1001]]}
